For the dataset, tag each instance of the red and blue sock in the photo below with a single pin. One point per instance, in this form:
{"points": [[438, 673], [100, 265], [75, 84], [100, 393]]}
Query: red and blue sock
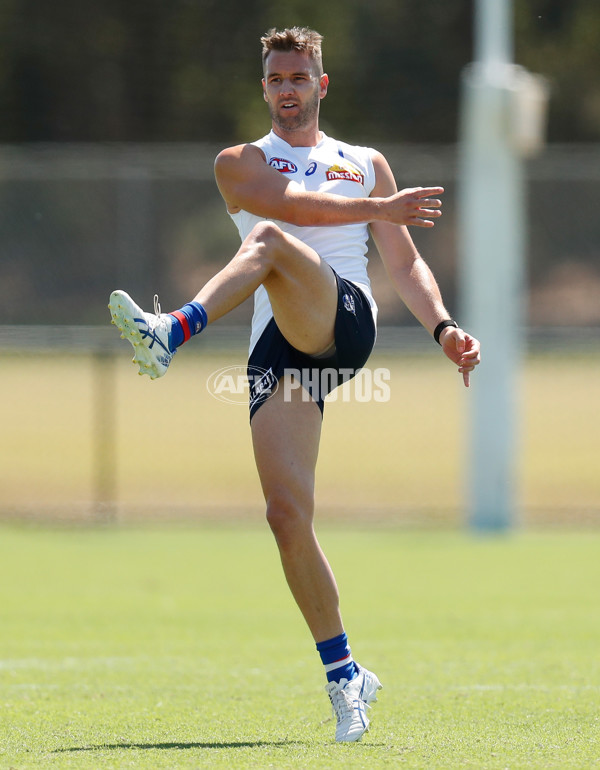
{"points": [[190, 320], [337, 659]]}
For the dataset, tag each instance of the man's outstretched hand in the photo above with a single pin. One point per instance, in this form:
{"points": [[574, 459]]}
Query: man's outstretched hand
{"points": [[414, 206]]}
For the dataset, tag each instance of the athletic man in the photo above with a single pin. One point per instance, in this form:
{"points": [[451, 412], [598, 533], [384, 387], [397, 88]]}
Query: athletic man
{"points": [[303, 204]]}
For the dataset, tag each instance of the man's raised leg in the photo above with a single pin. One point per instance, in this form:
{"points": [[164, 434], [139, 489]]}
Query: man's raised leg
{"points": [[301, 287]]}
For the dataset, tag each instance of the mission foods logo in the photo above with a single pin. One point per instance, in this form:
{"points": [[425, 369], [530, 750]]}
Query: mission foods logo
{"points": [[237, 384], [349, 174], [285, 166]]}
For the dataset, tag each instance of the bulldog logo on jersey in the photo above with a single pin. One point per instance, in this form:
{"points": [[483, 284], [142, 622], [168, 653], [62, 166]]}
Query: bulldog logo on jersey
{"points": [[347, 172], [349, 305], [283, 165]]}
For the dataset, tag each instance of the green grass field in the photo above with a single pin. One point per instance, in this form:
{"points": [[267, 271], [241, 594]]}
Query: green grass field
{"points": [[176, 644], [181, 648]]}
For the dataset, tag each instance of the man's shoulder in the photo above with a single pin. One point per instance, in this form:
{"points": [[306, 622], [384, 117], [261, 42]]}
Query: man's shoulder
{"points": [[345, 149], [238, 152]]}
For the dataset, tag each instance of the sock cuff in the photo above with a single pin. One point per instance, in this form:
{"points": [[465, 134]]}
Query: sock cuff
{"points": [[332, 650], [327, 644], [201, 312]]}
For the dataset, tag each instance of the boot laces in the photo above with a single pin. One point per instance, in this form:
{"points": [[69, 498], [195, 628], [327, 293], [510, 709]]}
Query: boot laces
{"points": [[342, 704]]}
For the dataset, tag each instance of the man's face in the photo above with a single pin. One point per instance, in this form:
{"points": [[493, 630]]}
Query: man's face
{"points": [[293, 89]]}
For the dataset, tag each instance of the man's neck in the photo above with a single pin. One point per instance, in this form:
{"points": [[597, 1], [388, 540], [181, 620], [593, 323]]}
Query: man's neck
{"points": [[309, 137]]}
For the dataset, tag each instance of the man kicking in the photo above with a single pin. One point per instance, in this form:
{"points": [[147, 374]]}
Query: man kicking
{"points": [[303, 203]]}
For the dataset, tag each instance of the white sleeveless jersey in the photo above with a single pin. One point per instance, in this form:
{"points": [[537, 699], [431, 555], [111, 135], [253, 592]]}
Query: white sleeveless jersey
{"points": [[332, 167]]}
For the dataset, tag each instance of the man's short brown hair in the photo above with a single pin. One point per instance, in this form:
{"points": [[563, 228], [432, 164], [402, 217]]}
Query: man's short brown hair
{"points": [[294, 39]]}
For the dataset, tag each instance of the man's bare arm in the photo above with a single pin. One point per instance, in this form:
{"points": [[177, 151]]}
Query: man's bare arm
{"points": [[247, 182], [415, 283]]}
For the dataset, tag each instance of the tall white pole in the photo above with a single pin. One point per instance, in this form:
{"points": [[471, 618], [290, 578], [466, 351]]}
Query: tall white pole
{"points": [[492, 246], [493, 39]]}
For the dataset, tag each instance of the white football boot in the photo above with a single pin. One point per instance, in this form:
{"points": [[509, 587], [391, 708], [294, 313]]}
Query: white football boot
{"points": [[350, 701], [149, 333]]}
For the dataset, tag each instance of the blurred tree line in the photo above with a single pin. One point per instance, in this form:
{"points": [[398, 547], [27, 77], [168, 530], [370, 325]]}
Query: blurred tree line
{"points": [[152, 70]]}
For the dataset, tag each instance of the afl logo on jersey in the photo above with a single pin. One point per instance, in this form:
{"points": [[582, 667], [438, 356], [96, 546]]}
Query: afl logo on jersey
{"points": [[348, 173], [285, 166]]}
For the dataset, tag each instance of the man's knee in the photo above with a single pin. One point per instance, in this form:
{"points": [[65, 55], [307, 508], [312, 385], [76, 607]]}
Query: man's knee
{"points": [[268, 236], [290, 519], [266, 244]]}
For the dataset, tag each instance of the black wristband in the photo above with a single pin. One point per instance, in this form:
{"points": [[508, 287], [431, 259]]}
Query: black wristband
{"points": [[440, 328]]}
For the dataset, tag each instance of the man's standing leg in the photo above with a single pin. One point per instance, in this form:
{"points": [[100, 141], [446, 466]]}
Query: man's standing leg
{"points": [[286, 432], [285, 435], [303, 293]]}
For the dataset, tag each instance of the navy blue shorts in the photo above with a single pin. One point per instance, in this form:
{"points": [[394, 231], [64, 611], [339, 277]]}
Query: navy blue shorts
{"points": [[273, 356]]}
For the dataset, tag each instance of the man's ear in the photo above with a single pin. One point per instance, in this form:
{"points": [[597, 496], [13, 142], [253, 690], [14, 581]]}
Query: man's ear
{"points": [[264, 88], [324, 84]]}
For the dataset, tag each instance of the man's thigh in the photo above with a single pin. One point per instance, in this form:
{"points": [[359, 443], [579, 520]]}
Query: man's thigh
{"points": [[286, 431], [303, 293]]}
